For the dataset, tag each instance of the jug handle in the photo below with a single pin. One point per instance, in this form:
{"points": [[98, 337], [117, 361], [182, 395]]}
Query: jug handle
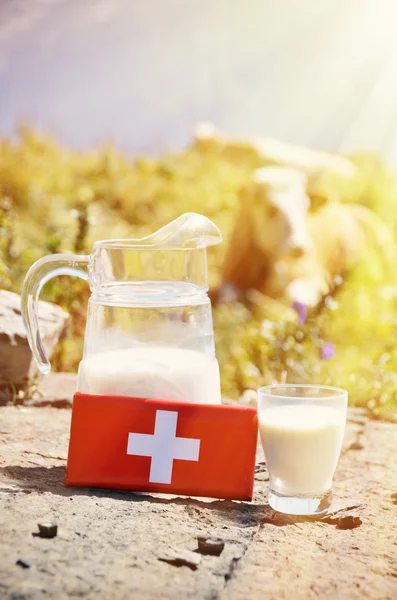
{"points": [[39, 273]]}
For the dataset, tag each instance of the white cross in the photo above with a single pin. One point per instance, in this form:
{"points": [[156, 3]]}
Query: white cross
{"points": [[163, 446]]}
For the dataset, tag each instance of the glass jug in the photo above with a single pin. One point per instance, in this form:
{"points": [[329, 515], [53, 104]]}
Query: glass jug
{"points": [[149, 327]]}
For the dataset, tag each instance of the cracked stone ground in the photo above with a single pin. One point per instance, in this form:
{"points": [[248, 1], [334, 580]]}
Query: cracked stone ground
{"points": [[116, 545]]}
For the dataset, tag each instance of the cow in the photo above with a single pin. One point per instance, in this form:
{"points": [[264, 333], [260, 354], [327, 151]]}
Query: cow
{"points": [[284, 249]]}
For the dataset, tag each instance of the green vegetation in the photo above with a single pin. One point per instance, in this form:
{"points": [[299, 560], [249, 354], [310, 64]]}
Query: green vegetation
{"points": [[54, 200]]}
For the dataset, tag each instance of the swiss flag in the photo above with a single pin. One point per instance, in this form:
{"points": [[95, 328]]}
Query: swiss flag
{"points": [[162, 446]]}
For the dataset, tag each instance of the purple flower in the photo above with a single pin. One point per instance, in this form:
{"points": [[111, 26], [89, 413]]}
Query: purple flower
{"points": [[301, 309], [328, 351]]}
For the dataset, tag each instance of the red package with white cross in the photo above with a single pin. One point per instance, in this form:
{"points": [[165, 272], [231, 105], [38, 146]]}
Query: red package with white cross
{"points": [[162, 446]]}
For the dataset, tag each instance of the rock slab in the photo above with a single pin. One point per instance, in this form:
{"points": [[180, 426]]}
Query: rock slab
{"points": [[16, 361], [117, 545]]}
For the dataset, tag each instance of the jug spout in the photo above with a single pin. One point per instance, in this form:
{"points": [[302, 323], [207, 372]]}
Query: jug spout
{"points": [[176, 253], [190, 230]]}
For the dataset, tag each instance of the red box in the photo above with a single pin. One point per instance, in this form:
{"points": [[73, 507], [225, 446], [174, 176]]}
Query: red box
{"points": [[162, 446]]}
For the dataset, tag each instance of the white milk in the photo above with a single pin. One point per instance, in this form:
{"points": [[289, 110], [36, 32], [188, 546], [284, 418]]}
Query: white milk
{"points": [[302, 445], [161, 373]]}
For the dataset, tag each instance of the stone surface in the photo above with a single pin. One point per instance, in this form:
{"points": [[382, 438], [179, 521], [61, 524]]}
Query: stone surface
{"points": [[56, 390], [112, 544], [181, 558], [16, 362]]}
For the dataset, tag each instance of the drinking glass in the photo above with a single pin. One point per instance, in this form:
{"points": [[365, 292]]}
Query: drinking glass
{"points": [[301, 428]]}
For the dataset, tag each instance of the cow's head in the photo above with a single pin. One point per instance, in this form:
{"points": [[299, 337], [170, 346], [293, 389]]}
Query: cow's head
{"points": [[278, 203]]}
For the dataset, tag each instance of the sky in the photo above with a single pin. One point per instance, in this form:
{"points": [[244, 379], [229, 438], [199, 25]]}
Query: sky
{"points": [[145, 72]]}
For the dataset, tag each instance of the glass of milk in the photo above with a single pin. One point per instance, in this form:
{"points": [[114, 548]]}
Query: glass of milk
{"points": [[301, 429]]}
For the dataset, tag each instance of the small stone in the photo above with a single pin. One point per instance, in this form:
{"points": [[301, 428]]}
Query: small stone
{"points": [[23, 563], [208, 545], [260, 466], [348, 522], [48, 530], [356, 446], [181, 558], [16, 363], [261, 477], [261, 472]]}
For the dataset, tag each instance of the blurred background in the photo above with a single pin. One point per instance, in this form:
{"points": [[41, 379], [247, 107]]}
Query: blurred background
{"points": [[102, 106], [144, 73]]}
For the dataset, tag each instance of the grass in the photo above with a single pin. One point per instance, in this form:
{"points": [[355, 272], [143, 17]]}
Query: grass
{"points": [[55, 200]]}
